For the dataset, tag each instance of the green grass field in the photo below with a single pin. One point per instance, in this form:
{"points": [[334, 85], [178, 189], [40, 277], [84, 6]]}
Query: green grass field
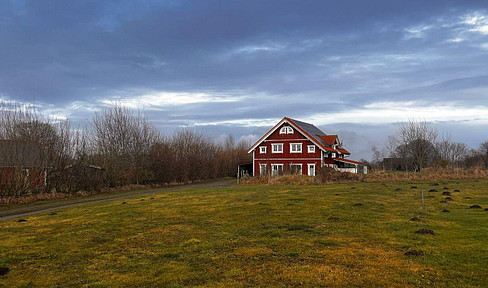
{"points": [[248, 236]]}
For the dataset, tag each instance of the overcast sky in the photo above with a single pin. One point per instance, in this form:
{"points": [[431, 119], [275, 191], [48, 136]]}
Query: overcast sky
{"points": [[356, 68]]}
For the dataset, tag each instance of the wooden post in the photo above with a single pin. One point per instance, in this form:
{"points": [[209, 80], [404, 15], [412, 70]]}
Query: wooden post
{"points": [[238, 172], [422, 193]]}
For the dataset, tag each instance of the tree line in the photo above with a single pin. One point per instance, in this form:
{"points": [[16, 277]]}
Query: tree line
{"points": [[417, 145], [117, 147]]}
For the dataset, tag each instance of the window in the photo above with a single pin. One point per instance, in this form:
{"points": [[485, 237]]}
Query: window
{"points": [[277, 148], [333, 155], [262, 169], [296, 169], [311, 169], [262, 150], [276, 169], [286, 130], [311, 149], [295, 147]]}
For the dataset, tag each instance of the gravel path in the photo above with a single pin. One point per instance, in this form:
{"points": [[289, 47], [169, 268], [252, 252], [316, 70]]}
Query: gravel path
{"points": [[40, 208]]}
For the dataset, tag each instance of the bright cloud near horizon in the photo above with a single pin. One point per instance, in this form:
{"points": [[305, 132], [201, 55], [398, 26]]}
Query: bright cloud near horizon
{"points": [[356, 68]]}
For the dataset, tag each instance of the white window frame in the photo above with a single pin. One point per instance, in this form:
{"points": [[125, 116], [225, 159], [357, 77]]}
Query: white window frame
{"points": [[286, 130], [314, 171], [311, 148], [333, 155], [296, 164], [297, 151], [261, 172], [277, 170], [262, 150], [274, 148]]}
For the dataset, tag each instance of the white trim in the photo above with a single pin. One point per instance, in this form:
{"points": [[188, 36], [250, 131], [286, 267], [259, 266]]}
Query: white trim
{"points": [[276, 140], [286, 159], [275, 151], [299, 144], [297, 164], [314, 170], [253, 164], [289, 130], [262, 149], [309, 150], [283, 130]]}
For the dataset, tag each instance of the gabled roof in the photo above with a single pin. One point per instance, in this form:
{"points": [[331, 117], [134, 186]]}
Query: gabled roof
{"points": [[311, 132], [25, 154], [330, 139]]}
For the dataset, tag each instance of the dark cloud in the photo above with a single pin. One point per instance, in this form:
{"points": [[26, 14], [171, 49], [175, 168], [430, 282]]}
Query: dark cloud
{"points": [[277, 58]]}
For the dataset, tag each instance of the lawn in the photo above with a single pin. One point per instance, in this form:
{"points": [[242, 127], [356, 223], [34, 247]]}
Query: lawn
{"points": [[258, 235]]}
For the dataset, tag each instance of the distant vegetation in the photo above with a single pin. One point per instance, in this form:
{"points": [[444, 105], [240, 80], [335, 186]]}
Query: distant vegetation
{"points": [[117, 147], [417, 145]]}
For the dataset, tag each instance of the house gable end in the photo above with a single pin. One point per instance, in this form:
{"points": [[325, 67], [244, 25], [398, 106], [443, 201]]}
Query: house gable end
{"points": [[297, 128]]}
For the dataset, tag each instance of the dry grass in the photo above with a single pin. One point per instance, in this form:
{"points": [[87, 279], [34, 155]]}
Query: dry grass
{"points": [[427, 174], [334, 177]]}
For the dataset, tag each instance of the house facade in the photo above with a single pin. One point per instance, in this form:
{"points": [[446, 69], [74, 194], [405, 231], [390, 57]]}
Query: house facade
{"points": [[296, 147], [22, 162]]}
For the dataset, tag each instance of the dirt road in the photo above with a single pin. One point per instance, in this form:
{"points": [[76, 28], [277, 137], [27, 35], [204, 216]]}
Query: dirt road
{"points": [[31, 209]]}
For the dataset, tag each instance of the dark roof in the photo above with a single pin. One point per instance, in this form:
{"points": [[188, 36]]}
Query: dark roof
{"points": [[318, 135], [310, 131], [24, 154]]}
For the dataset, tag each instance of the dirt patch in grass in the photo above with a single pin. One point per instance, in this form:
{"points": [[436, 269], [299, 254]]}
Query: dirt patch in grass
{"points": [[456, 190], [4, 271], [358, 204], [333, 219], [433, 190], [21, 220], [446, 211], [443, 201], [413, 187], [418, 219], [475, 207], [449, 199], [446, 193], [468, 197], [425, 231], [415, 253]]}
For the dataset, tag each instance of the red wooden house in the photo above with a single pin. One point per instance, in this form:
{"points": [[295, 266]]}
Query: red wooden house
{"points": [[22, 161], [299, 148]]}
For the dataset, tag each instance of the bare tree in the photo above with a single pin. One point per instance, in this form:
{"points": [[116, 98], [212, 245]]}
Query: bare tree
{"points": [[417, 140], [123, 139]]}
